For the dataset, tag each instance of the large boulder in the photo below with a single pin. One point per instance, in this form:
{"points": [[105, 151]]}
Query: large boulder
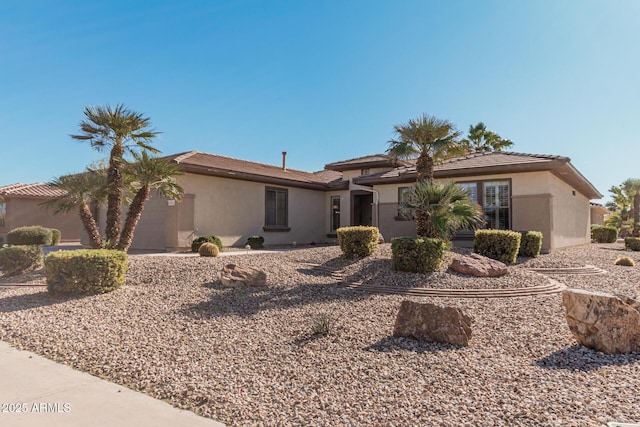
{"points": [[237, 275], [604, 322], [429, 322], [478, 265]]}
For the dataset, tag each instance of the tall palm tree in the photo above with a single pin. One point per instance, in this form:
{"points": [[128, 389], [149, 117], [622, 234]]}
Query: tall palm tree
{"points": [[120, 131], [448, 205], [429, 141], [81, 190], [622, 200], [482, 139], [631, 187], [146, 174]]}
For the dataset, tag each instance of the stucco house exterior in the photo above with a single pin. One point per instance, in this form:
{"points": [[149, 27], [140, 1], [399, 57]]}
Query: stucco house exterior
{"points": [[20, 206], [235, 199]]}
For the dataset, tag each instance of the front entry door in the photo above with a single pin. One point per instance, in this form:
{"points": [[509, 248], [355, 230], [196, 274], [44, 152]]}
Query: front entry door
{"points": [[362, 208]]}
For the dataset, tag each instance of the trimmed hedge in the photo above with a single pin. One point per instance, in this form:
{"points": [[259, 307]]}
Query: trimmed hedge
{"points": [[530, 244], [604, 234], [56, 235], [85, 271], [209, 249], [256, 242], [359, 241], [30, 235], [502, 245], [19, 259], [632, 243], [198, 241], [417, 255]]}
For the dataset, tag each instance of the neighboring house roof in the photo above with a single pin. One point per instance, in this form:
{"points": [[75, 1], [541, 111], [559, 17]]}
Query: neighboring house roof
{"points": [[485, 163], [228, 167], [599, 208], [38, 190], [372, 161]]}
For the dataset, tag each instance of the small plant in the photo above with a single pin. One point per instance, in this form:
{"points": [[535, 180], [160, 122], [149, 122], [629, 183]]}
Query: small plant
{"points": [[19, 259], [55, 236], [323, 324], [417, 255], [31, 235], [626, 261], [604, 234], [255, 242], [632, 243], [530, 244], [501, 245], [85, 271], [197, 242], [359, 241], [209, 249]]}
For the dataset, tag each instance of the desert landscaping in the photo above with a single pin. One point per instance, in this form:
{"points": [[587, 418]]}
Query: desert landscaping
{"points": [[252, 355]]}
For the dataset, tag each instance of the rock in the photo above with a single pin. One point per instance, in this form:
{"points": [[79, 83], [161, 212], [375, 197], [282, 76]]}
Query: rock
{"points": [[430, 322], [236, 275], [604, 322], [478, 265]]}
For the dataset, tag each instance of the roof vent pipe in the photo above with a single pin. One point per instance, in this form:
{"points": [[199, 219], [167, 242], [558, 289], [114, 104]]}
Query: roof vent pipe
{"points": [[284, 160]]}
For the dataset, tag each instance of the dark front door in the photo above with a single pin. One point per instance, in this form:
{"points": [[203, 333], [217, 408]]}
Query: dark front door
{"points": [[362, 208]]}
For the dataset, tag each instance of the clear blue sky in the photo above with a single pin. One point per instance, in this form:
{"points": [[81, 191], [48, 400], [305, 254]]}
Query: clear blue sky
{"points": [[322, 80]]}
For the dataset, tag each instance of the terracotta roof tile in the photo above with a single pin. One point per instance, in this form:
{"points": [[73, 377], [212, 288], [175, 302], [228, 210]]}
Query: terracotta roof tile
{"points": [[39, 190]]}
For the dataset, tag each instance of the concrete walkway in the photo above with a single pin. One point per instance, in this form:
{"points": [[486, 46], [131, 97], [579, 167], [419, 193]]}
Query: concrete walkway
{"points": [[35, 391]]}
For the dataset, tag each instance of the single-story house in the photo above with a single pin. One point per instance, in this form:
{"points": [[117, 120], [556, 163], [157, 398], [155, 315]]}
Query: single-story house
{"points": [[235, 199], [20, 205], [598, 214]]}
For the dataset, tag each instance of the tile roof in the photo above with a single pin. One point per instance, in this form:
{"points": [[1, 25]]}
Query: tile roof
{"points": [[37, 190], [213, 164], [374, 160]]}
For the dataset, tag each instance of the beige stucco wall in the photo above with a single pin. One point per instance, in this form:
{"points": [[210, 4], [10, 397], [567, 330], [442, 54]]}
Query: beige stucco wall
{"points": [[24, 212], [571, 215], [234, 210]]}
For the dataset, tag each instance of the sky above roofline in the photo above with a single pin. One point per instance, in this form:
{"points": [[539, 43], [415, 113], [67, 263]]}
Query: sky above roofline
{"points": [[324, 81]]}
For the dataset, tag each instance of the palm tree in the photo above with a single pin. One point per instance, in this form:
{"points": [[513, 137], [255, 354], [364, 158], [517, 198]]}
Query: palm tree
{"points": [[147, 174], [622, 200], [80, 190], [482, 139], [631, 187], [448, 205], [429, 141], [120, 131]]}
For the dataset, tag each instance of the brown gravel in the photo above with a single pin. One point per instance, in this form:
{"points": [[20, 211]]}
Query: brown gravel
{"points": [[247, 356]]}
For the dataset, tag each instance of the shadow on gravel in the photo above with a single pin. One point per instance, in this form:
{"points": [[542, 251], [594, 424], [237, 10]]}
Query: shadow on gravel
{"points": [[247, 301], [29, 301], [580, 358], [392, 343]]}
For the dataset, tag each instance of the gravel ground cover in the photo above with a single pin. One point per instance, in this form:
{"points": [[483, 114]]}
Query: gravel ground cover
{"points": [[248, 356]]}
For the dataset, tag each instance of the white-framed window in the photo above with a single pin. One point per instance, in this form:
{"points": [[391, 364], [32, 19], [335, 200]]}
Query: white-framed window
{"points": [[403, 196], [335, 213]]}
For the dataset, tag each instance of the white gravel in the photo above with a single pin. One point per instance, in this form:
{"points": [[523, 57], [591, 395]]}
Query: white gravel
{"points": [[247, 356]]}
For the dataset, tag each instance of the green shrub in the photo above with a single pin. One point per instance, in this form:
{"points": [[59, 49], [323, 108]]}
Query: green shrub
{"points": [[604, 234], [626, 261], [209, 249], [85, 271], [255, 242], [502, 245], [55, 236], [632, 243], [197, 242], [417, 255], [530, 244], [19, 259], [359, 241], [31, 235]]}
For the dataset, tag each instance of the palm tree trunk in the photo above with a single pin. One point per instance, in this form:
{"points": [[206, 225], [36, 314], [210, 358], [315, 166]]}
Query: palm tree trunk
{"points": [[114, 200], [424, 170], [133, 216], [90, 226], [636, 214]]}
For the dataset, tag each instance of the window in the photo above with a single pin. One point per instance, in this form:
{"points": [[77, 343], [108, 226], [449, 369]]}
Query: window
{"points": [[472, 188], [364, 171], [276, 209], [335, 213], [3, 213], [494, 197], [404, 214]]}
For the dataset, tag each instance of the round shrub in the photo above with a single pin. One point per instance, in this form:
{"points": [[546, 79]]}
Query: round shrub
{"points": [[417, 255], [85, 271], [632, 243], [209, 249], [255, 242], [359, 241], [530, 244], [55, 236], [626, 261], [19, 259], [197, 242], [31, 235], [604, 234], [501, 245]]}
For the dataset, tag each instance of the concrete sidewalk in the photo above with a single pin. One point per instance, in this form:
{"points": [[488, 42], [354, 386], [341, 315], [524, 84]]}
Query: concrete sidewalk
{"points": [[51, 394]]}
